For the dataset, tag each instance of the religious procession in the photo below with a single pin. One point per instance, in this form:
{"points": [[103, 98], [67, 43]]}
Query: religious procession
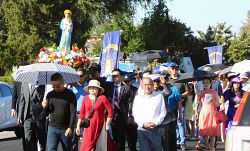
{"points": [[67, 99]]}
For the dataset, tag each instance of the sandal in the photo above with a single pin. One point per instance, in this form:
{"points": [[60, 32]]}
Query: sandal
{"points": [[199, 147]]}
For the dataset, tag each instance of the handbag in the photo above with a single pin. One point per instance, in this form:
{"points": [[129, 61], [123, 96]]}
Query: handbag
{"points": [[171, 114], [86, 121], [221, 116], [170, 117]]}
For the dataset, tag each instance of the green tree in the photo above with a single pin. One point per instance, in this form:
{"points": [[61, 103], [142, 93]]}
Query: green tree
{"points": [[130, 40], [28, 25], [240, 46], [221, 34], [163, 32], [218, 35]]}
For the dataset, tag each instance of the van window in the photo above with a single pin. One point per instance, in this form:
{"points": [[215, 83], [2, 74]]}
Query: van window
{"points": [[245, 119], [5, 90]]}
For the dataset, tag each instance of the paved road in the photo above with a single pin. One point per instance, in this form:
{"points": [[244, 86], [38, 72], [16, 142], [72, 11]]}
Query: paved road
{"points": [[9, 142]]}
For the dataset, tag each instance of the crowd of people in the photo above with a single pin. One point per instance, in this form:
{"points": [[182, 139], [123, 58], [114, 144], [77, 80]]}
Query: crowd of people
{"points": [[149, 109]]}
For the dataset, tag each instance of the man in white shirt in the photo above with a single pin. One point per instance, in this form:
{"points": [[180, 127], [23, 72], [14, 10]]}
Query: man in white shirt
{"points": [[149, 111]]}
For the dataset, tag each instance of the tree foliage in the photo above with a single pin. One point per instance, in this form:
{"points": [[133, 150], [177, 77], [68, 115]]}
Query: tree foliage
{"points": [[131, 38], [240, 47], [163, 32], [221, 34], [28, 25]]}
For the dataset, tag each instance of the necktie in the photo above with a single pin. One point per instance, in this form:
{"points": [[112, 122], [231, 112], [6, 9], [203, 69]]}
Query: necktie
{"points": [[116, 97], [31, 88], [31, 102]]}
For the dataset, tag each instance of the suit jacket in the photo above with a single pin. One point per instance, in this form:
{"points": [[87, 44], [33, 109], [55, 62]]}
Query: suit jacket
{"points": [[124, 97], [109, 90], [133, 91], [16, 95], [30, 100]]}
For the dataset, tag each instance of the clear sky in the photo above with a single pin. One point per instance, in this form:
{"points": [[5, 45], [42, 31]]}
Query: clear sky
{"points": [[199, 14]]}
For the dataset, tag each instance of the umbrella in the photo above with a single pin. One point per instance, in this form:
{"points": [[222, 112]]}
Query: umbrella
{"points": [[17, 71], [166, 64], [196, 75], [213, 67], [226, 70], [159, 68], [148, 55], [241, 67], [40, 73], [126, 67]]}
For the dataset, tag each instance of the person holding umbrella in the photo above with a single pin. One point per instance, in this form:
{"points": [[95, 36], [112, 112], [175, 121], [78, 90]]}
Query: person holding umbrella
{"points": [[60, 103]]}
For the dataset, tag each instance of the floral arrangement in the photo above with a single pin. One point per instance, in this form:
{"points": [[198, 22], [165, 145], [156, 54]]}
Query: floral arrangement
{"points": [[75, 58]]}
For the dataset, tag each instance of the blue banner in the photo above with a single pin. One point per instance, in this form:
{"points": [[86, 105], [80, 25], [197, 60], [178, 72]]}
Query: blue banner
{"points": [[109, 57], [215, 54]]}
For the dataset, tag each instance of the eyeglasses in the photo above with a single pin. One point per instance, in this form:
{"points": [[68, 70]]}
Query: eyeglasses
{"points": [[81, 76]]}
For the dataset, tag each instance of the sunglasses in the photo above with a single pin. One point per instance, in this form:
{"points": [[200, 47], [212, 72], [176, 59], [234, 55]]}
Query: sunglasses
{"points": [[81, 76], [175, 68], [156, 80]]}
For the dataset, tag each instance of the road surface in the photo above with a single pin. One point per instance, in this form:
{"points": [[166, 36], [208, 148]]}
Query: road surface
{"points": [[9, 142]]}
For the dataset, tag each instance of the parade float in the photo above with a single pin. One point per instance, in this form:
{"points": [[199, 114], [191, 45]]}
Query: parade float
{"points": [[75, 58], [62, 54]]}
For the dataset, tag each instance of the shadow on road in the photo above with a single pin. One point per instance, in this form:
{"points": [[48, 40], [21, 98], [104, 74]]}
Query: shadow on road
{"points": [[9, 139]]}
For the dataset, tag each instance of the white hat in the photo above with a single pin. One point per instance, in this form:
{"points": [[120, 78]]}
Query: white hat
{"points": [[94, 83], [152, 76]]}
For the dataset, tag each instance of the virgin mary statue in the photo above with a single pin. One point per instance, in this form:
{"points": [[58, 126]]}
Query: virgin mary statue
{"points": [[67, 27]]}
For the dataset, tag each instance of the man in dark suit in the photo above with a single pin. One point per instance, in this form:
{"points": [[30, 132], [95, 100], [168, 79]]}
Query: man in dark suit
{"points": [[121, 95], [131, 125], [95, 71], [30, 115], [16, 96]]}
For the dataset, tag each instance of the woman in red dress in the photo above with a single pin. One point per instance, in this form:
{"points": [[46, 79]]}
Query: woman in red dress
{"points": [[93, 134], [208, 123]]}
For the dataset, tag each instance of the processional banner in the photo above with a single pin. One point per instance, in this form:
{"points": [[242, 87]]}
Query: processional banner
{"points": [[215, 54], [109, 57]]}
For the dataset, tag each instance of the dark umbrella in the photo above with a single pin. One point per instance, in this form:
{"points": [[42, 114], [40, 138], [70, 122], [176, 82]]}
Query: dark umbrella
{"points": [[226, 70], [213, 67], [196, 75], [148, 55]]}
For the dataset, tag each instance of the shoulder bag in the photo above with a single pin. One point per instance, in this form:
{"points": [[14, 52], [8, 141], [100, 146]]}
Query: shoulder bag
{"points": [[86, 121], [171, 114]]}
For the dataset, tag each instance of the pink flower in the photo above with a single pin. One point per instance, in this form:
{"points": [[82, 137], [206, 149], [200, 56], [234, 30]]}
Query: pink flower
{"points": [[41, 50]]}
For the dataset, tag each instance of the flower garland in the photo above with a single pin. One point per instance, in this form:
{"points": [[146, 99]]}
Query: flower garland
{"points": [[75, 58]]}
